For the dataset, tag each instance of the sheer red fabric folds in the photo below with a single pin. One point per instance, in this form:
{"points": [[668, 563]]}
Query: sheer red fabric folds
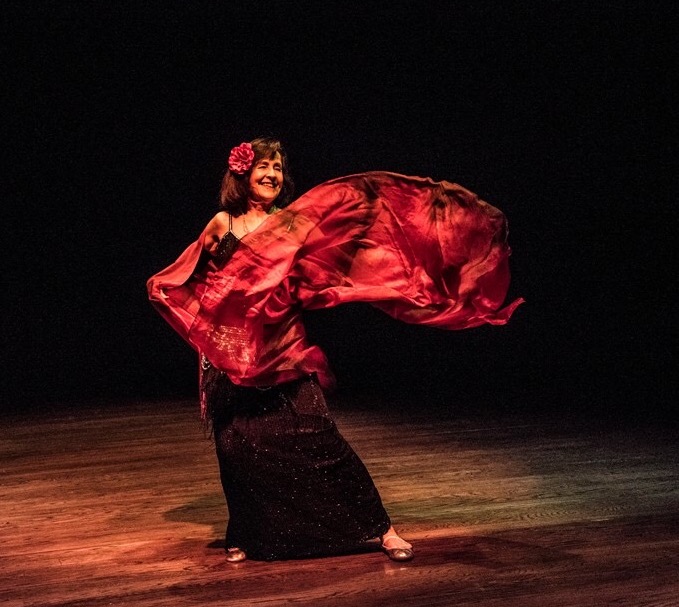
{"points": [[424, 252]]}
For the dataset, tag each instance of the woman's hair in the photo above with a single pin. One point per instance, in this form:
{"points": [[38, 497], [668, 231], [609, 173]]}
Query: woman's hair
{"points": [[233, 197]]}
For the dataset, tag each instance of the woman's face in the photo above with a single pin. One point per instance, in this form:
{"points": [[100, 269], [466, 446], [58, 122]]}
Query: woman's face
{"points": [[266, 179]]}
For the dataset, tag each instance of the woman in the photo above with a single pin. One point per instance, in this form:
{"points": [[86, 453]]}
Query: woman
{"points": [[422, 251], [294, 487]]}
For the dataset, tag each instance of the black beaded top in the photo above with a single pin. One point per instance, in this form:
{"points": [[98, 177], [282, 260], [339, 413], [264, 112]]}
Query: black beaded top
{"points": [[227, 245]]}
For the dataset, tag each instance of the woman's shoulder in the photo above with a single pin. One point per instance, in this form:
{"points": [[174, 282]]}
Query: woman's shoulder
{"points": [[219, 224], [215, 229], [220, 220]]}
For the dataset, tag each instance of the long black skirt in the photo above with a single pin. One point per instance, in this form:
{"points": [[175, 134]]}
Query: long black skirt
{"points": [[294, 487]]}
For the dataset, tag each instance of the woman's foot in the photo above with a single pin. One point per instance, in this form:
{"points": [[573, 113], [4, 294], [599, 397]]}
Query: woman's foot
{"points": [[395, 547], [235, 555]]}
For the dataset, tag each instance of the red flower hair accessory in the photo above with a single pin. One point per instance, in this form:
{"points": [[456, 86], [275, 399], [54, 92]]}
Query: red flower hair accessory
{"points": [[240, 158]]}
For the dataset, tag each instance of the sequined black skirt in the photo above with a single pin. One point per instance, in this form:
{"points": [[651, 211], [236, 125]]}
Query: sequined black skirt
{"points": [[294, 487]]}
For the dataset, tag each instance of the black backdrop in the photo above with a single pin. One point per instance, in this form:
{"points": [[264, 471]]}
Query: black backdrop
{"points": [[121, 116]]}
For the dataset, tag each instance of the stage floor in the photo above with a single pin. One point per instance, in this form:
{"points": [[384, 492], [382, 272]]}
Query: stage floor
{"points": [[120, 504]]}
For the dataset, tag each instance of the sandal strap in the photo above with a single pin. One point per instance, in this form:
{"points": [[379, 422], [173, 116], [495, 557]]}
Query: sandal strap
{"points": [[406, 545]]}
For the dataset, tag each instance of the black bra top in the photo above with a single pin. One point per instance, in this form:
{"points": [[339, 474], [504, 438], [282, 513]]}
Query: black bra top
{"points": [[227, 245]]}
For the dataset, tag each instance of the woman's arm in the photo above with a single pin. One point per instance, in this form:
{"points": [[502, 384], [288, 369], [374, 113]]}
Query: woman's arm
{"points": [[216, 228]]}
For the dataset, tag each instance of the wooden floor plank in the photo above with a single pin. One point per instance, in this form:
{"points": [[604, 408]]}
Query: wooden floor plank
{"points": [[121, 505]]}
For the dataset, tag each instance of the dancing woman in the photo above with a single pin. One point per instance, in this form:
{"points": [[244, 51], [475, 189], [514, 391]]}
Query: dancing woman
{"points": [[424, 252]]}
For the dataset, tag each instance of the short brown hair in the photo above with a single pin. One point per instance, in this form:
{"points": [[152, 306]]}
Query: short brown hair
{"points": [[233, 197]]}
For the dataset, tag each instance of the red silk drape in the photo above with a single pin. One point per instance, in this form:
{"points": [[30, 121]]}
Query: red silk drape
{"points": [[424, 252]]}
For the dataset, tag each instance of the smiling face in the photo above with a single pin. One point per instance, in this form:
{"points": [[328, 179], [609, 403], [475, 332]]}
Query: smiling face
{"points": [[266, 180]]}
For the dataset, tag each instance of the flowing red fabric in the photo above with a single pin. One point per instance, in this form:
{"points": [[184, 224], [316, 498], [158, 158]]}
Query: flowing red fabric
{"points": [[424, 252]]}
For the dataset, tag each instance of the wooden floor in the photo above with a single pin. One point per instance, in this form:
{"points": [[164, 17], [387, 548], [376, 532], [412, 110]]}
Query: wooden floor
{"points": [[120, 505]]}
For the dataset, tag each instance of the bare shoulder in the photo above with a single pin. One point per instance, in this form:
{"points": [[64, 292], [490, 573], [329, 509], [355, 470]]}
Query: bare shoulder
{"points": [[220, 222], [215, 229]]}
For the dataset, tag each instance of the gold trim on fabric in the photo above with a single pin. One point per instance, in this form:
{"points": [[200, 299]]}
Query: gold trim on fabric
{"points": [[232, 341]]}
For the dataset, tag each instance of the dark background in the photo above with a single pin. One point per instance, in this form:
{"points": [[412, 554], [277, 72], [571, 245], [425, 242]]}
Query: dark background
{"points": [[121, 116]]}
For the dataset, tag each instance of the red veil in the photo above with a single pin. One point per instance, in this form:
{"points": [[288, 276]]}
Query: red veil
{"points": [[422, 251]]}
